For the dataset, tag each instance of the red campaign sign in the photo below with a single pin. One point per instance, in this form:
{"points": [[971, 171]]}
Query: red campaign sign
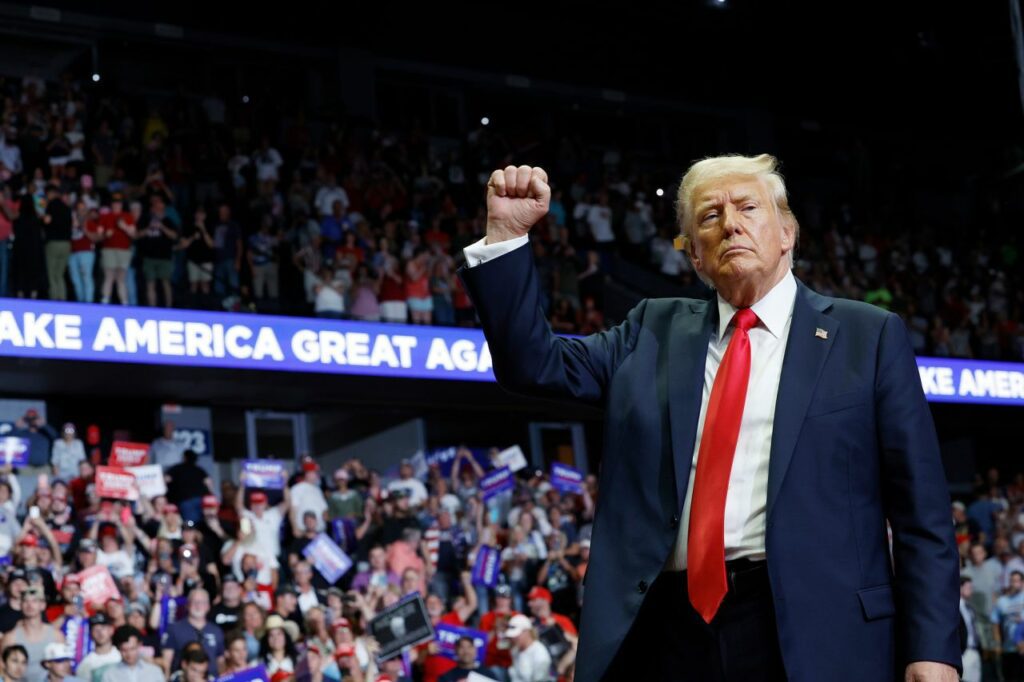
{"points": [[97, 585], [126, 454], [116, 483]]}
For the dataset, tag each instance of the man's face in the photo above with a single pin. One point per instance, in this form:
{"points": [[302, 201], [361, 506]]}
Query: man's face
{"points": [[15, 665], [738, 240], [435, 607], [198, 605], [465, 652], [32, 606], [540, 608], [287, 602], [1016, 583], [232, 593], [196, 672], [60, 669], [130, 651], [378, 559], [966, 590], [977, 554]]}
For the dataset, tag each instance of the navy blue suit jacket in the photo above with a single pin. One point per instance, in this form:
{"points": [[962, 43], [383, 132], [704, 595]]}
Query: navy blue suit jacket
{"points": [[853, 445]]}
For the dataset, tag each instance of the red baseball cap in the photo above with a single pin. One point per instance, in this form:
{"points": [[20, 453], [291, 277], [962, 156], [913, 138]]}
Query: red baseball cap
{"points": [[341, 623], [170, 509], [258, 498], [31, 540], [538, 592], [211, 501], [310, 465]]}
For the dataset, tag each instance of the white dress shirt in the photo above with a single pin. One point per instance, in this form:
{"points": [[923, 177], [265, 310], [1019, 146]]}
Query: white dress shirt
{"points": [[747, 497]]}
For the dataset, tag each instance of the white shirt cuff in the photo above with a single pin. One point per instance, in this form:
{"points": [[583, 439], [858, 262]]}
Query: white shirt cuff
{"points": [[480, 252]]}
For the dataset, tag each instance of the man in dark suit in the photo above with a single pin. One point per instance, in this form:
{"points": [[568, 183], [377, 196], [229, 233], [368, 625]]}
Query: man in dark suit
{"points": [[793, 426]]}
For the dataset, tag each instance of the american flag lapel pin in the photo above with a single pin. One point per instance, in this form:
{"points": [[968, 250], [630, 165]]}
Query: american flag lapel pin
{"points": [[821, 333]]}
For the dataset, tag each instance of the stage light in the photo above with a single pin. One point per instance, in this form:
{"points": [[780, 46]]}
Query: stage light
{"points": [[245, 99], [95, 78], [660, 192], [485, 121]]}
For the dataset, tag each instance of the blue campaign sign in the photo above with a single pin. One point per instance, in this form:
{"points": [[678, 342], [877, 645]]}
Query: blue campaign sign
{"points": [[444, 457], [329, 559], [566, 479], [14, 451], [263, 473], [487, 566], [190, 338], [972, 381], [448, 635], [496, 482], [254, 674]]}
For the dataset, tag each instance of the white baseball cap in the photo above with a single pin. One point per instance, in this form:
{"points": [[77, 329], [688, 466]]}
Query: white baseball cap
{"points": [[517, 625], [55, 651]]}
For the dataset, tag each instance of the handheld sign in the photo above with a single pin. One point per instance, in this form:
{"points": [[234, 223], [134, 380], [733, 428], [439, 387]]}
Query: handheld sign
{"points": [[487, 566], [150, 480], [15, 451], [566, 479], [327, 558], [263, 473], [116, 483], [404, 624], [513, 458], [126, 454], [97, 585], [498, 481], [255, 674], [448, 635]]}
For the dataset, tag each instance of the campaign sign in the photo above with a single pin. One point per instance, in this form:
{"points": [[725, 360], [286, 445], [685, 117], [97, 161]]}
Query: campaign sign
{"points": [[445, 458], [567, 479], [116, 483], [255, 674], [15, 450], [125, 454], [150, 480], [401, 625], [97, 585], [172, 609], [487, 567], [448, 635], [498, 481], [76, 634], [327, 558], [513, 458], [263, 473]]}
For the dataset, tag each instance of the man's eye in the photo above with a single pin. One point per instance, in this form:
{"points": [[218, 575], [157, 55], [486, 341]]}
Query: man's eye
{"points": [[709, 215], [749, 206]]}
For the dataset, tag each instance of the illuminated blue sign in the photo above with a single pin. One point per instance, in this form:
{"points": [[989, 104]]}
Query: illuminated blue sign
{"points": [[947, 380], [74, 331]]}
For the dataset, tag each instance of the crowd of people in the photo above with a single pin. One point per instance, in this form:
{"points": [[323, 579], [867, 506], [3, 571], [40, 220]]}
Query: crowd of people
{"points": [[207, 582], [170, 203]]}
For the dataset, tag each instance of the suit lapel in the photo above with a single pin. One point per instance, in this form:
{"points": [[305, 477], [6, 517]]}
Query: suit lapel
{"points": [[687, 356], [805, 356]]}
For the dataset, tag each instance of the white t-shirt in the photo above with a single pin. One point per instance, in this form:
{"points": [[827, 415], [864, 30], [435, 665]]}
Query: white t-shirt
{"points": [[417, 491], [532, 664], [267, 530], [118, 563], [600, 220], [325, 198], [308, 497], [267, 163], [94, 662]]}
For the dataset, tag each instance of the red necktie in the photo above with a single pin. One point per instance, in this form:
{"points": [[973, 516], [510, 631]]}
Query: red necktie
{"points": [[705, 547]]}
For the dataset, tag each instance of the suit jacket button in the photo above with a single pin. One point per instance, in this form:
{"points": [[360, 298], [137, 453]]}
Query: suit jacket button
{"points": [[641, 586]]}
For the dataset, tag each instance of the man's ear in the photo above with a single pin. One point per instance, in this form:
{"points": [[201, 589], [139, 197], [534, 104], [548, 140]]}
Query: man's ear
{"points": [[683, 243]]}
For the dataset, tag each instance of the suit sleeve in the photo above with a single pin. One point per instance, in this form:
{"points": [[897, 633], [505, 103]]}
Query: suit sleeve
{"points": [[917, 504], [528, 357]]}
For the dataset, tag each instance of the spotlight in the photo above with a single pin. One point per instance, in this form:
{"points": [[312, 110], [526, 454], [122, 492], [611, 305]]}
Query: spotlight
{"points": [[95, 78], [660, 192], [245, 99], [485, 121]]}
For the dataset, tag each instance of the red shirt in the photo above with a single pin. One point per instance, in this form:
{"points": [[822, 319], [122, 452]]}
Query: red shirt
{"points": [[390, 290], [495, 657], [118, 238], [80, 240], [435, 665]]}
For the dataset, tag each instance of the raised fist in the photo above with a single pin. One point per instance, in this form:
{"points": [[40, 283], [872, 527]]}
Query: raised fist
{"points": [[517, 198]]}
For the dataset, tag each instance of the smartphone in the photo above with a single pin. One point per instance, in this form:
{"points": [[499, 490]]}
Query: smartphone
{"points": [[126, 514], [33, 512]]}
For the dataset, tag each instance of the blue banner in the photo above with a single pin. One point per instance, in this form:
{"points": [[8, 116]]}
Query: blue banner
{"points": [[255, 674], [76, 635], [191, 338], [445, 456], [172, 609], [327, 558], [14, 451], [947, 380], [566, 479], [487, 566], [263, 473], [497, 481], [448, 635], [343, 531]]}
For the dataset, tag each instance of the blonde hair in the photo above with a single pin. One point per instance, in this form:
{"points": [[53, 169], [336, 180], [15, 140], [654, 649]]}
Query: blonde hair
{"points": [[763, 166]]}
